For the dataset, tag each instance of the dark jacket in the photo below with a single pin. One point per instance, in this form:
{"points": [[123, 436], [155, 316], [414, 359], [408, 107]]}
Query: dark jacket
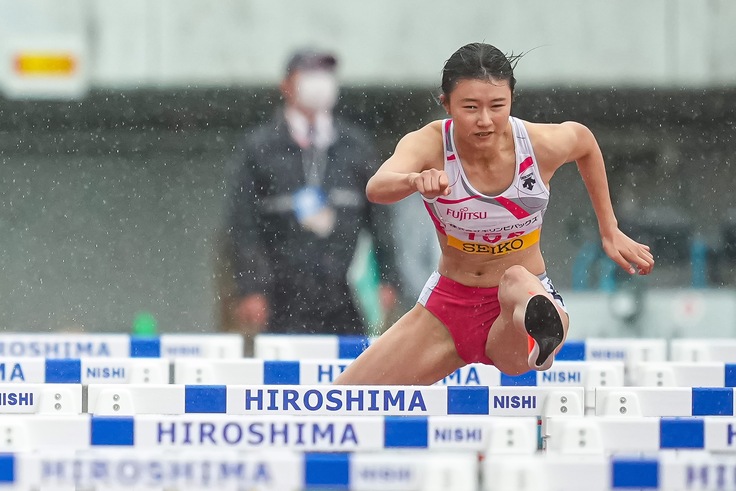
{"points": [[302, 274]]}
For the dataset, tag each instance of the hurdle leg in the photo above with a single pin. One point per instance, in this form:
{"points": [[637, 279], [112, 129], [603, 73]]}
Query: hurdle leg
{"points": [[417, 350], [508, 341]]}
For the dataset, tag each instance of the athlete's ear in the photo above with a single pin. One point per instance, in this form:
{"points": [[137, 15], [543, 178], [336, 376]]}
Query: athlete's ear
{"points": [[445, 101]]}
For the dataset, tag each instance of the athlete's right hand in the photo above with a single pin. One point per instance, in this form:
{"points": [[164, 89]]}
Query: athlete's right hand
{"points": [[430, 183]]}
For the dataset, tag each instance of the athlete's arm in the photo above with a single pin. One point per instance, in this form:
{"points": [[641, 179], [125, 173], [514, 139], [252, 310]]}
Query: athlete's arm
{"points": [[411, 168], [574, 142]]}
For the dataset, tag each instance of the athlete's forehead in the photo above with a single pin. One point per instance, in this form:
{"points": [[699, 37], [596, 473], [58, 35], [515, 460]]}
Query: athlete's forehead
{"points": [[481, 89]]}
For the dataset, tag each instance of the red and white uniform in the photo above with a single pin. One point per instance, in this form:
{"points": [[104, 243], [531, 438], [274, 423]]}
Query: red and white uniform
{"points": [[480, 224]]}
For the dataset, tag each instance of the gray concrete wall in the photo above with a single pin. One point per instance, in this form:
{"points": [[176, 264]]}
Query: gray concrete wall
{"points": [[181, 43]]}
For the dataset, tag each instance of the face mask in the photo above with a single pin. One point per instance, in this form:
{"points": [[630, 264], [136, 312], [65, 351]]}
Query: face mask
{"points": [[316, 90]]}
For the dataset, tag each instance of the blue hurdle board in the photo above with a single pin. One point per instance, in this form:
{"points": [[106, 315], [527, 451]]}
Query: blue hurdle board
{"points": [[63, 345], [332, 400], [664, 401], [84, 371], [40, 399], [614, 434], [102, 471], [699, 350], [683, 374], [497, 435]]}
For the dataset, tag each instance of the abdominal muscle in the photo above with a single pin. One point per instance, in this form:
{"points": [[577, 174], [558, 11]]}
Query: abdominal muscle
{"points": [[480, 270]]}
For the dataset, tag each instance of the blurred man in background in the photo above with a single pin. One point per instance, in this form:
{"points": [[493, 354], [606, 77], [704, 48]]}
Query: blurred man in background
{"points": [[297, 208]]}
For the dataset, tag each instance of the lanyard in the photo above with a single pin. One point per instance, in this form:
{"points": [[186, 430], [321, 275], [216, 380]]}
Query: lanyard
{"points": [[314, 165]]}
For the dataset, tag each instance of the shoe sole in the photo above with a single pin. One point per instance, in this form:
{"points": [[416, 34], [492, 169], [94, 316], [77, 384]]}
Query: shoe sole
{"points": [[542, 322]]}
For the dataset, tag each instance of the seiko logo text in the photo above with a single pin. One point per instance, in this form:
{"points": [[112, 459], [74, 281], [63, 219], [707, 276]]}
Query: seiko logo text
{"points": [[503, 248]]}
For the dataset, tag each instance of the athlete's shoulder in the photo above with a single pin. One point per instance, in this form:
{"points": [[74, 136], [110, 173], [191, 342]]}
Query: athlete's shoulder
{"points": [[426, 135], [552, 130], [425, 141], [553, 142]]}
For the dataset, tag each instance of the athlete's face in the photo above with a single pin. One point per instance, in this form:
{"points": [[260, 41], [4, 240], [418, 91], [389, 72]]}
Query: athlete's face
{"points": [[480, 110]]}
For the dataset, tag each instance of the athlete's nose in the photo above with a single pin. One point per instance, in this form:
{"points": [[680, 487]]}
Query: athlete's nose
{"points": [[484, 118]]}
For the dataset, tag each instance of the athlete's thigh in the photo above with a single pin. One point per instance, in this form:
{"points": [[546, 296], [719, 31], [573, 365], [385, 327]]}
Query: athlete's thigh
{"points": [[508, 342], [416, 350]]}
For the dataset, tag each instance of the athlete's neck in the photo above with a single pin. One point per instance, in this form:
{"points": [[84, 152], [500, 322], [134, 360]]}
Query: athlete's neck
{"points": [[490, 153]]}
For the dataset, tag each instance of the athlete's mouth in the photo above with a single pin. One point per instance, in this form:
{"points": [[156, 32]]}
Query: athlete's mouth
{"points": [[484, 133]]}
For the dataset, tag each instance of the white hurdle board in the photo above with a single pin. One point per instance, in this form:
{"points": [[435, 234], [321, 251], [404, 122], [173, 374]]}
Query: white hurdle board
{"points": [[231, 471], [250, 371], [663, 471], [40, 399], [213, 432], [615, 434], [73, 345], [699, 350], [316, 346], [84, 371], [683, 374], [664, 401], [626, 350], [133, 399], [309, 346]]}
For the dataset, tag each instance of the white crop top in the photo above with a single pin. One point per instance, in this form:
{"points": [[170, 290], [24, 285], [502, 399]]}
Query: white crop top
{"points": [[494, 225]]}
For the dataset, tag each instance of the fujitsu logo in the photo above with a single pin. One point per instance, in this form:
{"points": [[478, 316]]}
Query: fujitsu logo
{"points": [[464, 214]]}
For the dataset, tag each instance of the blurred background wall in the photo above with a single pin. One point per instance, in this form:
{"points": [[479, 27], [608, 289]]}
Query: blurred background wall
{"points": [[117, 121]]}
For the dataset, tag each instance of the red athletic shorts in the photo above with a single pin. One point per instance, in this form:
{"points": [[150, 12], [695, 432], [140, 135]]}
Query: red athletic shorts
{"points": [[468, 312]]}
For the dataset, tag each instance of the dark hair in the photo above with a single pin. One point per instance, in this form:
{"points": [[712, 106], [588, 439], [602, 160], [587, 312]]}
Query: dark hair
{"points": [[478, 61]]}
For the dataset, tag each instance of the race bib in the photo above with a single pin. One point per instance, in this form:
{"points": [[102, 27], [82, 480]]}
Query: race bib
{"points": [[498, 248]]}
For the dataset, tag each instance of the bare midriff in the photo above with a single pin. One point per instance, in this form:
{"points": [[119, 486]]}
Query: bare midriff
{"points": [[485, 270]]}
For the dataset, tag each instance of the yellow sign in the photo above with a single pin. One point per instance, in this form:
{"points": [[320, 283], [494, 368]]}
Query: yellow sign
{"points": [[497, 249], [45, 64]]}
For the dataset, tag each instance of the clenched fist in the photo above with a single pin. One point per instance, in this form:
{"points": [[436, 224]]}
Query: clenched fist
{"points": [[430, 183]]}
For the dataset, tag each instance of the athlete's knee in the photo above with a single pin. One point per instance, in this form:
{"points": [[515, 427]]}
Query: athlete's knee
{"points": [[514, 366], [511, 280], [514, 275]]}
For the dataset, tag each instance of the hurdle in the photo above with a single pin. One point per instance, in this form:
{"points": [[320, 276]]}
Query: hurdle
{"points": [[663, 471], [589, 374], [308, 346], [639, 434], [683, 374], [73, 345], [699, 350], [85, 371], [664, 401], [40, 399], [110, 400], [98, 471], [626, 350], [212, 432]]}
